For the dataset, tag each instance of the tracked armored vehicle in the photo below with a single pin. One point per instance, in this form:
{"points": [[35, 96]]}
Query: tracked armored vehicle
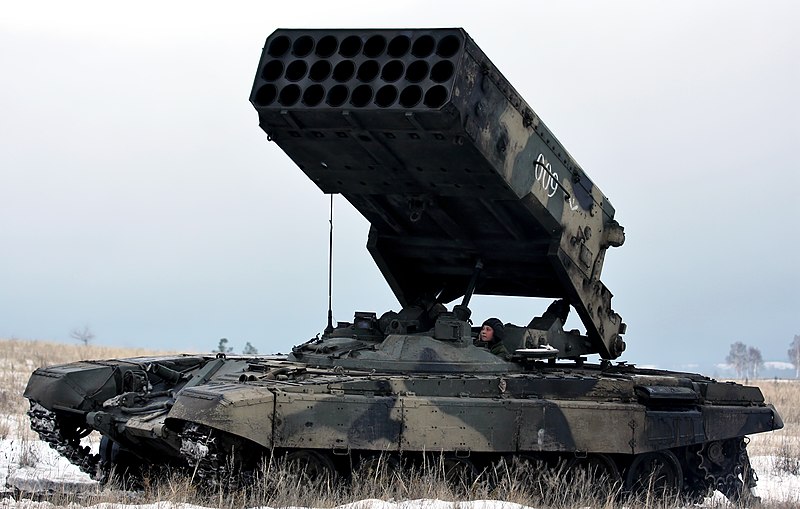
{"points": [[467, 192]]}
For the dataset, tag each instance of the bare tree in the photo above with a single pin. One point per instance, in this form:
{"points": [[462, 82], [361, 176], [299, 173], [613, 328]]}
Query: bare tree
{"points": [[754, 361], [794, 355], [223, 347], [83, 334], [737, 358]]}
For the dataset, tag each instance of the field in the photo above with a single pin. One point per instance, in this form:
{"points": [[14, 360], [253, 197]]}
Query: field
{"points": [[29, 462]]}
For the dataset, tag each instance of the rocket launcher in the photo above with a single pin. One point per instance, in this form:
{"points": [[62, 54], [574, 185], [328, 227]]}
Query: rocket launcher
{"points": [[422, 134]]}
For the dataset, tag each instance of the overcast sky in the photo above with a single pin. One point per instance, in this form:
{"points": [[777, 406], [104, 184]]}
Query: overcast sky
{"points": [[138, 195]]}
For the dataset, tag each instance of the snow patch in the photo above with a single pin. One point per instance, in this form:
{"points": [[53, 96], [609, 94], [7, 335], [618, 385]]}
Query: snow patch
{"points": [[31, 465], [775, 486], [779, 365]]}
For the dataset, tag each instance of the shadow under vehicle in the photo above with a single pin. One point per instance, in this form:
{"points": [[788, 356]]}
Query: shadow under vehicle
{"points": [[467, 192]]}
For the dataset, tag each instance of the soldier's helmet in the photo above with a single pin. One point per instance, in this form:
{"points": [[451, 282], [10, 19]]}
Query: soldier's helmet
{"points": [[497, 327]]}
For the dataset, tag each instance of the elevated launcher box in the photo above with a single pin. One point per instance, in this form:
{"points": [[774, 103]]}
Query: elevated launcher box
{"points": [[425, 137]]}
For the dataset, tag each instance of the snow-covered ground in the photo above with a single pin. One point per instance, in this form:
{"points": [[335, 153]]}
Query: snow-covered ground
{"points": [[32, 466], [361, 504]]}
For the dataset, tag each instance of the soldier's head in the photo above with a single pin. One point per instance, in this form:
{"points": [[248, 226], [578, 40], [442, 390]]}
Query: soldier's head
{"points": [[492, 330]]}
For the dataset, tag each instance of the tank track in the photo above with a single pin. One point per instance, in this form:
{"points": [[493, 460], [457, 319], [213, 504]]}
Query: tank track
{"points": [[220, 461], [208, 463], [67, 442]]}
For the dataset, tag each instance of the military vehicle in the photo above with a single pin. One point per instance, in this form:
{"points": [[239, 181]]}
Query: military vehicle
{"points": [[467, 192]]}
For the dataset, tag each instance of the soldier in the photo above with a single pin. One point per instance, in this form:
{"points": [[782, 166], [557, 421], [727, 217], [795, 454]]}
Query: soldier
{"points": [[491, 337]]}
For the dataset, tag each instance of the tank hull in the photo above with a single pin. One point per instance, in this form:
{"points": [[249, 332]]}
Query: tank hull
{"points": [[256, 408]]}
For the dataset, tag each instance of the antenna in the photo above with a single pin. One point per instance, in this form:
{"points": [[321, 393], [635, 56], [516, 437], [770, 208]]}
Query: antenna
{"points": [[329, 328]]}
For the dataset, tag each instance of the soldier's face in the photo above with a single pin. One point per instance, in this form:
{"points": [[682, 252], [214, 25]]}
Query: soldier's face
{"points": [[487, 333]]}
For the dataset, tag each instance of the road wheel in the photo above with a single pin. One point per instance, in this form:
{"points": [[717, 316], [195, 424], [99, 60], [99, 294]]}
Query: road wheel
{"points": [[460, 474], [657, 473], [599, 470], [314, 466], [519, 472], [379, 466]]}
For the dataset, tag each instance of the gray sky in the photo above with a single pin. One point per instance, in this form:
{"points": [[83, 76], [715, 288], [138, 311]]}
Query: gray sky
{"points": [[139, 196]]}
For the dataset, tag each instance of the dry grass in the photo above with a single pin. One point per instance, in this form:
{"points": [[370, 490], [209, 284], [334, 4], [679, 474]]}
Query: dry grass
{"points": [[784, 444], [279, 488]]}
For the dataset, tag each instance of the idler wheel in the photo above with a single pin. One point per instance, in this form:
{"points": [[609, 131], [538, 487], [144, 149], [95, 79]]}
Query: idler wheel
{"points": [[658, 472]]}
